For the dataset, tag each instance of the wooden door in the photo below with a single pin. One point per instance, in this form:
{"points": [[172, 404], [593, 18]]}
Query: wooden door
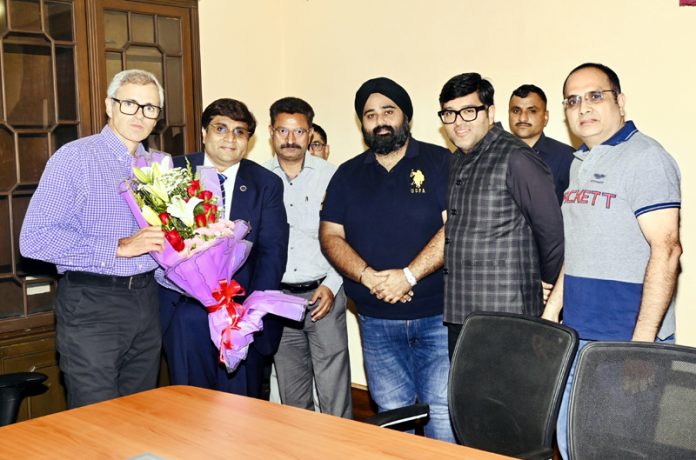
{"points": [[157, 37]]}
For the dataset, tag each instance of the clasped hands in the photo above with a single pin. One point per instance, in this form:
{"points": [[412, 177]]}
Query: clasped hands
{"points": [[391, 286]]}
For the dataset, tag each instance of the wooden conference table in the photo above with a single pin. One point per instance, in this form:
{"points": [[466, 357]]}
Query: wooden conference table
{"points": [[181, 422]]}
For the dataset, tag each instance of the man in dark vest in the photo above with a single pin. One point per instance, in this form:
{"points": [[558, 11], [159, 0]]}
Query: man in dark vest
{"points": [[504, 231]]}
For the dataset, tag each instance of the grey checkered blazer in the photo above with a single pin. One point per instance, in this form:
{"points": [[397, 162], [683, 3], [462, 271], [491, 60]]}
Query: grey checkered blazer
{"points": [[491, 256]]}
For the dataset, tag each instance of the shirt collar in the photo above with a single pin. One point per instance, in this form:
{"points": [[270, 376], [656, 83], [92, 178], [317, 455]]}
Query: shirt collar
{"points": [[310, 161], [622, 135], [119, 148], [539, 144], [229, 172]]}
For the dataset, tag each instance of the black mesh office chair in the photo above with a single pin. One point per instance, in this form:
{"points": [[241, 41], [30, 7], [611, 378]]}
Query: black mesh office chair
{"points": [[12, 387], [633, 400], [506, 383]]}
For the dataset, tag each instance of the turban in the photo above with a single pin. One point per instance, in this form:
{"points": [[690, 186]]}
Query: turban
{"points": [[388, 88]]}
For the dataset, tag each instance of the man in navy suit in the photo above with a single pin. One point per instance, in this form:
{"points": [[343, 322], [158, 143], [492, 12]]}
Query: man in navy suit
{"points": [[251, 193]]}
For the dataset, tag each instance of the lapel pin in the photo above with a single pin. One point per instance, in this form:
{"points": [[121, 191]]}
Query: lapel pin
{"points": [[242, 188]]}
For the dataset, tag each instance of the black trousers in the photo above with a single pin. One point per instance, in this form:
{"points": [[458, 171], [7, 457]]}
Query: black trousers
{"points": [[108, 338], [453, 331]]}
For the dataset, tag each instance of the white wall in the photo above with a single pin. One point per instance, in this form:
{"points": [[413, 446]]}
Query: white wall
{"points": [[322, 50]]}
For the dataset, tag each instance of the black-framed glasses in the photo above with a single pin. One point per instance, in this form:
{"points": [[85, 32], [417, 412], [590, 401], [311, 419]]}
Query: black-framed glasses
{"points": [[222, 131], [591, 97], [467, 114], [285, 132], [316, 145], [128, 107]]}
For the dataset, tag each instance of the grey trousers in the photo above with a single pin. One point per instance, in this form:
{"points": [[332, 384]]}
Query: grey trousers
{"points": [[316, 350], [108, 340]]}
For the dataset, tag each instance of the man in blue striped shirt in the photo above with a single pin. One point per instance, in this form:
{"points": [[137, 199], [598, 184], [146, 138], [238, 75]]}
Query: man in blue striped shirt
{"points": [[106, 307]]}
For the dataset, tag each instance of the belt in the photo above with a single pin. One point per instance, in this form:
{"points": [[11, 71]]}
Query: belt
{"points": [[301, 288], [94, 279]]}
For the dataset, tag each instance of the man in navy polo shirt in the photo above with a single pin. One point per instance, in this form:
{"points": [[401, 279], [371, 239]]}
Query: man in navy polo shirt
{"points": [[382, 228], [527, 118]]}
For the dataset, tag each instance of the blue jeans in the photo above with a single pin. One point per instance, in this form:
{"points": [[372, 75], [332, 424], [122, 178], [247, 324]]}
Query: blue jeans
{"points": [[562, 423], [405, 361]]}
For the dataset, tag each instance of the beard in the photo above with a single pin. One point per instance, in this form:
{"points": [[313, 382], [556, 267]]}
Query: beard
{"points": [[384, 144]]}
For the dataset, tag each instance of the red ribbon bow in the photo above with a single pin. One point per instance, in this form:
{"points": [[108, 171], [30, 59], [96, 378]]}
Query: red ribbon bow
{"points": [[235, 311]]}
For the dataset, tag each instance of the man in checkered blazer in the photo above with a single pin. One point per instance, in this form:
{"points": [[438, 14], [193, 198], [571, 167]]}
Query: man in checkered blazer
{"points": [[504, 231]]}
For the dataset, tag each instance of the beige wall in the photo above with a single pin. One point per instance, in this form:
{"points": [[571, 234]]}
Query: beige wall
{"points": [[322, 50]]}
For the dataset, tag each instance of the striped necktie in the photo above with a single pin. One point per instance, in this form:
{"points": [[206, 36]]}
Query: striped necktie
{"points": [[222, 179]]}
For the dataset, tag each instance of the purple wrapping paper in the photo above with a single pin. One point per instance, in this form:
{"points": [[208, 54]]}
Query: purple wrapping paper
{"points": [[200, 275], [150, 157], [255, 307]]}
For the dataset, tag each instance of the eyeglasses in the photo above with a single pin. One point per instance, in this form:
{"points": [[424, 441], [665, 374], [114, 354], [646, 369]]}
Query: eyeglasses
{"points": [[131, 108], [316, 145], [222, 131], [285, 132], [467, 113], [591, 97]]}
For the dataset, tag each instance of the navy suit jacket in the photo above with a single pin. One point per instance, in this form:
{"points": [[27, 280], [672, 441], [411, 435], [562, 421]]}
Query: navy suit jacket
{"points": [[258, 199], [192, 357]]}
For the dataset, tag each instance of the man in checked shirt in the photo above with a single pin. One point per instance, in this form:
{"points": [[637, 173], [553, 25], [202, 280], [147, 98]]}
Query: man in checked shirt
{"points": [[504, 231], [106, 308]]}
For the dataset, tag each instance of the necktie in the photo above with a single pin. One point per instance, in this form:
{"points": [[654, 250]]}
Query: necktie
{"points": [[222, 179]]}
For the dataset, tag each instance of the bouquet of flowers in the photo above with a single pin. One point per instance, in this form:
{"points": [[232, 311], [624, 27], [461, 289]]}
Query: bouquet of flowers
{"points": [[203, 251]]}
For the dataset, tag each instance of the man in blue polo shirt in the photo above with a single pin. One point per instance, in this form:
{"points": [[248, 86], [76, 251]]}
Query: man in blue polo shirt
{"points": [[621, 215], [382, 228], [528, 116]]}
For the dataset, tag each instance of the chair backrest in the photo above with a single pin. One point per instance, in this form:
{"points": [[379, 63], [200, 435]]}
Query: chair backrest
{"points": [[506, 382], [633, 400]]}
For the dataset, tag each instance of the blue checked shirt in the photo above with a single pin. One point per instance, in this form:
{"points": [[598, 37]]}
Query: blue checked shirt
{"points": [[77, 215]]}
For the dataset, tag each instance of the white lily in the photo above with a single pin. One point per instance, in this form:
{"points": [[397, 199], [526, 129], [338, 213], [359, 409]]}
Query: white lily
{"points": [[158, 190], [142, 174], [151, 216], [183, 210], [149, 174]]}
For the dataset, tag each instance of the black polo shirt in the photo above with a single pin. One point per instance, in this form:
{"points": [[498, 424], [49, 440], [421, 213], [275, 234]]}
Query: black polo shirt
{"points": [[388, 218]]}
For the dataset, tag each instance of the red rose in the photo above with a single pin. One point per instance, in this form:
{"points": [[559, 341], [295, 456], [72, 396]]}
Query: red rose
{"points": [[212, 217], [201, 220], [205, 195], [193, 187], [164, 218], [175, 239]]}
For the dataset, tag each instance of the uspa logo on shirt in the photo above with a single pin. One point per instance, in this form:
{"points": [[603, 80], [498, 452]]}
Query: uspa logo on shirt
{"points": [[417, 181]]}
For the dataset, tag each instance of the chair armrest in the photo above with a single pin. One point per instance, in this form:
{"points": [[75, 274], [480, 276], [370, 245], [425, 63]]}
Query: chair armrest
{"points": [[400, 415], [21, 378]]}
